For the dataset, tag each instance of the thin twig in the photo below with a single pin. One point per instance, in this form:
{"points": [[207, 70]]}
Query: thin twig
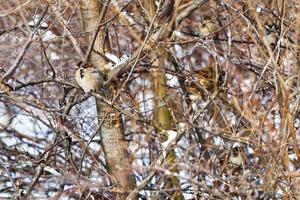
{"points": [[18, 60]]}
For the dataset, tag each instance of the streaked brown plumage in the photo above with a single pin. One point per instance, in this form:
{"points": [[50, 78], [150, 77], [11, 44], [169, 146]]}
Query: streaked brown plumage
{"points": [[204, 81], [207, 27]]}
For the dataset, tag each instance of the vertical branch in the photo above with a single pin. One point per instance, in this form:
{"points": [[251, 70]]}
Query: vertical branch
{"points": [[162, 115], [163, 118]]}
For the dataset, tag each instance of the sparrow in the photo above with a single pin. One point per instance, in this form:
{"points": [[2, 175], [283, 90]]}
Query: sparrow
{"points": [[207, 27], [272, 34], [203, 81], [4, 88], [88, 77]]}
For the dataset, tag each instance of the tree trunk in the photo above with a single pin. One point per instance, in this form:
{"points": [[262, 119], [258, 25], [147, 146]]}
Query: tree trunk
{"points": [[112, 134]]}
